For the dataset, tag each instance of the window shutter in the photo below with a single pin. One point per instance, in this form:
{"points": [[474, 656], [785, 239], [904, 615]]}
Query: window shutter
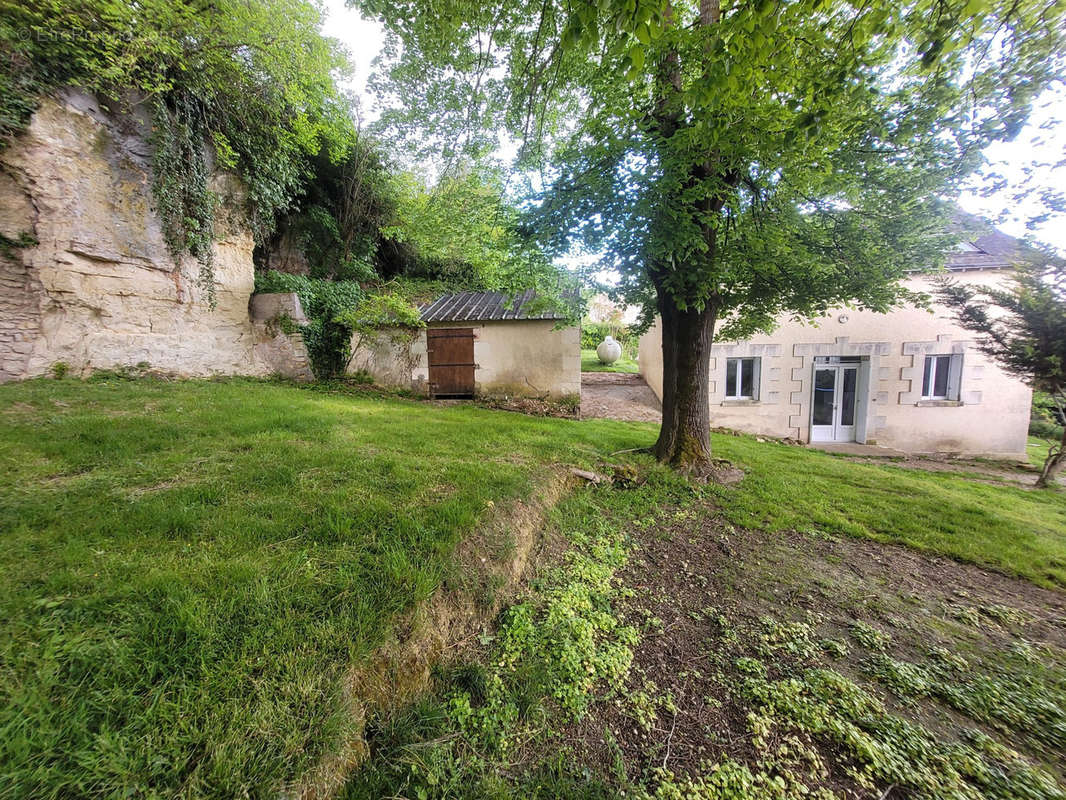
{"points": [[955, 377], [756, 378]]}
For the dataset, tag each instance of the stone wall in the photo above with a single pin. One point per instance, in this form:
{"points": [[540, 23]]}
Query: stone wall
{"points": [[391, 360], [527, 357], [100, 290], [279, 343]]}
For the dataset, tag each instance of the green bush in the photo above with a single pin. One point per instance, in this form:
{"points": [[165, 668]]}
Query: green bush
{"points": [[337, 311], [383, 310], [362, 377], [1045, 430], [592, 333], [1046, 419], [328, 341]]}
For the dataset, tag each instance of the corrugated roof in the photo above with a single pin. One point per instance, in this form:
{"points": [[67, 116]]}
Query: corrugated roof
{"points": [[483, 307]]}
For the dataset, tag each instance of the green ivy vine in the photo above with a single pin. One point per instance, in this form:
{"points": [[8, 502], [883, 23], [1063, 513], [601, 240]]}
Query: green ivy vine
{"points": [[246, 87], [180, 175], [327, 340]]}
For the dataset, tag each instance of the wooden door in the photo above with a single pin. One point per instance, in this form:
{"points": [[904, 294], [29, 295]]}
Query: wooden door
{"points": [[451, 361]]}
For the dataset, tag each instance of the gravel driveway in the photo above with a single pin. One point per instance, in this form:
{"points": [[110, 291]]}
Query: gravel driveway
{"points": [[614, 395]]}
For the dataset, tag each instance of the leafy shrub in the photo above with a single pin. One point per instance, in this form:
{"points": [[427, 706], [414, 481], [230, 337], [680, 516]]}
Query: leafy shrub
{"points": [[362, 377], [385, 314], [592, 333], [571, 402], [340, 310], [377, 311], [316, 294], [1046, 420], [1044, 429], [328, 341]]}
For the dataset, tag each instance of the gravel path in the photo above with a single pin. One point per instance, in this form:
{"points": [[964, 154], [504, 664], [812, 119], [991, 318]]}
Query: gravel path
{"points": [[613, 395]]}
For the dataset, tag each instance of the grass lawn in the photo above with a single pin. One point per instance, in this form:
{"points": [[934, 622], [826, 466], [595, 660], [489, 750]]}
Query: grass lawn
{"points": [[590, 362], [1038, 450], [1019, 531], [188, 567]]}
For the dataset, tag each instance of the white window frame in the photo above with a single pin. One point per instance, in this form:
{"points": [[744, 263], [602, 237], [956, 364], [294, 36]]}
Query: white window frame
{"points": [[932, 366], [733, 392]]}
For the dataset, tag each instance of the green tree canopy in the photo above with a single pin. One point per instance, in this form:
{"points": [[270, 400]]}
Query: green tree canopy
{"points": [[734, 161], [362, 218], [1023, 328], [337, 221], [462, 226], [465, 229]]}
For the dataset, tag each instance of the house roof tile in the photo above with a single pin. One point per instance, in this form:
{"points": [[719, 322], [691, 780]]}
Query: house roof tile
{"points": [[992, 249]]}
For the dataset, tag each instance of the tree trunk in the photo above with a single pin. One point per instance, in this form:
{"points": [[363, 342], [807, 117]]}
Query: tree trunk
{"points": [[685, 436], [1053, 464]]}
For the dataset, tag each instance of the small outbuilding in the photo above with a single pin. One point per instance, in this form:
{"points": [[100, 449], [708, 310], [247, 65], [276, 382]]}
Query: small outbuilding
{"points": [[480, 343]]}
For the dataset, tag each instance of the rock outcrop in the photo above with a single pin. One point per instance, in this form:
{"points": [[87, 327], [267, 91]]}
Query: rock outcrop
{"points": [[85, 275]]}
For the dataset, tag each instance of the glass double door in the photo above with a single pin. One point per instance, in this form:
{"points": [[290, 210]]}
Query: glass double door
{"points": [[833, 404]]}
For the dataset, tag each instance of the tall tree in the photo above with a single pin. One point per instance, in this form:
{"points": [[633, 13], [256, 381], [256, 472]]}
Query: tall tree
{"points": [[336, 222], [1023, 327], [733, 161]]}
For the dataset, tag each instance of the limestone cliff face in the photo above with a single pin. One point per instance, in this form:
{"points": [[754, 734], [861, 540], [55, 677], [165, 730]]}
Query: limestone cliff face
{"points": [[100, 290]]}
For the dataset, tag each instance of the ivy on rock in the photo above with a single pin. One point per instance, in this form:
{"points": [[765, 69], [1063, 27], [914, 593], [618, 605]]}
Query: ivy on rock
{"points": [[248, 87]]}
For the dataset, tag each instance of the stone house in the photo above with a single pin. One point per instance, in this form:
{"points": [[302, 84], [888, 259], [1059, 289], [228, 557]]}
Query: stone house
{"points": [[479, 343], [910, 380]]}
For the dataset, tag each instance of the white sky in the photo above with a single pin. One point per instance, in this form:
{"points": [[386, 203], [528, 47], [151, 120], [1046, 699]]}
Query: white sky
{"points": [[1034, 146]]}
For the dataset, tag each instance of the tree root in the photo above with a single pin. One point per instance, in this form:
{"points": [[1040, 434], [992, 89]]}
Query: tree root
{"points": [[717, 470]]}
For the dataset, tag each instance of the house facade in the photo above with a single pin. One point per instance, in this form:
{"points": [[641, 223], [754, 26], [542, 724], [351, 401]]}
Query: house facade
{"points": [[911, 379]]}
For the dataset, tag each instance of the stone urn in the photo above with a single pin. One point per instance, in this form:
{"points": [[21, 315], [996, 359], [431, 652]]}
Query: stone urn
{"points": [[609, 351]]}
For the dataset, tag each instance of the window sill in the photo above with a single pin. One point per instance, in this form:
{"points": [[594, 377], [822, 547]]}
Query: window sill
{"points": [[747, 401], [939, 403]]}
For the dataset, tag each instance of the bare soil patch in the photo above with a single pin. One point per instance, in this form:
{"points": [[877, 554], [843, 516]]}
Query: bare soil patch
{"points": [[533, 406], [697, 571], [615, 395]]}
